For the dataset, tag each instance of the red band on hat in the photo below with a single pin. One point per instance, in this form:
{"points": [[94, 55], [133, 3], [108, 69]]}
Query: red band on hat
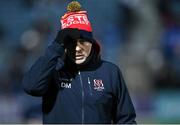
{"points": [[77, 20]]}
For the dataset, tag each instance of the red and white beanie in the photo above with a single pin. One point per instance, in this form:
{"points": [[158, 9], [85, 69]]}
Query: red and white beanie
{"points": [[76, 18]]}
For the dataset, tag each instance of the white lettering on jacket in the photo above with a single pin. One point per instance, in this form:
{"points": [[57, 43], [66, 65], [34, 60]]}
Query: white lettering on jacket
{"points": [[65, 85]]}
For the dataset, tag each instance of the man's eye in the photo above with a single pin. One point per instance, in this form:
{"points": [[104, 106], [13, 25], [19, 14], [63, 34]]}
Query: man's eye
{"points": [[82, 43]]}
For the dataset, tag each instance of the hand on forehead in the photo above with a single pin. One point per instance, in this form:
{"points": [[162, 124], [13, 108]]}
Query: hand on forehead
{"points": [[78, 42]]}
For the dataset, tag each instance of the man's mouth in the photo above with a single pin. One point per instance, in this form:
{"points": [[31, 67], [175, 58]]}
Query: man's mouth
{"points": [[79, 57]]}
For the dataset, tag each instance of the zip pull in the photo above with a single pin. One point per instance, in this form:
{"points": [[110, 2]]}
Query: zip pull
{"points": [[90, 89], [89, 81]]}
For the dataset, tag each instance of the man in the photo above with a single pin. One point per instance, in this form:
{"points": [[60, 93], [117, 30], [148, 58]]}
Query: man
{"points": [[75, 84]]}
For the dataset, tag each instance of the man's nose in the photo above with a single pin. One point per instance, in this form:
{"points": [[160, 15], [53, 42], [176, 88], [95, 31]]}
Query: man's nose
{"points": [[78, 48]]}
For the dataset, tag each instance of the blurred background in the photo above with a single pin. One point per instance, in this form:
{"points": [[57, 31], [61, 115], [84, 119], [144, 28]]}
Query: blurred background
{"points": [[141, 36]]}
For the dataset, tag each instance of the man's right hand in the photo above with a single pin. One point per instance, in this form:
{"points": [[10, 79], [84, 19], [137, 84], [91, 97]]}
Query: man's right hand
{"points": [[67, 35]]}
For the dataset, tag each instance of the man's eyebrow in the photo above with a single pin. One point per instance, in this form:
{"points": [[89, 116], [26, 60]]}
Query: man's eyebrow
{"points": [[81, 40]]}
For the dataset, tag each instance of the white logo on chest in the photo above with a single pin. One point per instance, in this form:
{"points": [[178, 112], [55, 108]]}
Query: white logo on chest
{"points": [[65, 85], [98, 85]]}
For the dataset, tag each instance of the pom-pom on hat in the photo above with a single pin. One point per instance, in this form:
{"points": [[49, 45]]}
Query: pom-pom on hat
{"points": [[76, 18]]}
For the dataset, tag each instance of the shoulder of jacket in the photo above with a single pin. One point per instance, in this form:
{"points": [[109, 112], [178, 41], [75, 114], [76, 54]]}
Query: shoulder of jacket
{"points": [[110, 65]]}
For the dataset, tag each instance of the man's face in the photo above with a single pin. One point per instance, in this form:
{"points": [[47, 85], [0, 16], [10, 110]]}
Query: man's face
{"points": [[78, 51]]}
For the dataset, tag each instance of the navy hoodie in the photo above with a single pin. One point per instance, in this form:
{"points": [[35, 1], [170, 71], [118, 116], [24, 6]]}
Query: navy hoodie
{"points": [[92, 93]]}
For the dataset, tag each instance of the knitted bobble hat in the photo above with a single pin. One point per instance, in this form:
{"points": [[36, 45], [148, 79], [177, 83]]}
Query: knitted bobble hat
{"points": [[76, 19]]}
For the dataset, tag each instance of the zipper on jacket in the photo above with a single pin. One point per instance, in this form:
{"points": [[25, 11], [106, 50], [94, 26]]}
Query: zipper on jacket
{"points": [[82, 115], [89, 83]]}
